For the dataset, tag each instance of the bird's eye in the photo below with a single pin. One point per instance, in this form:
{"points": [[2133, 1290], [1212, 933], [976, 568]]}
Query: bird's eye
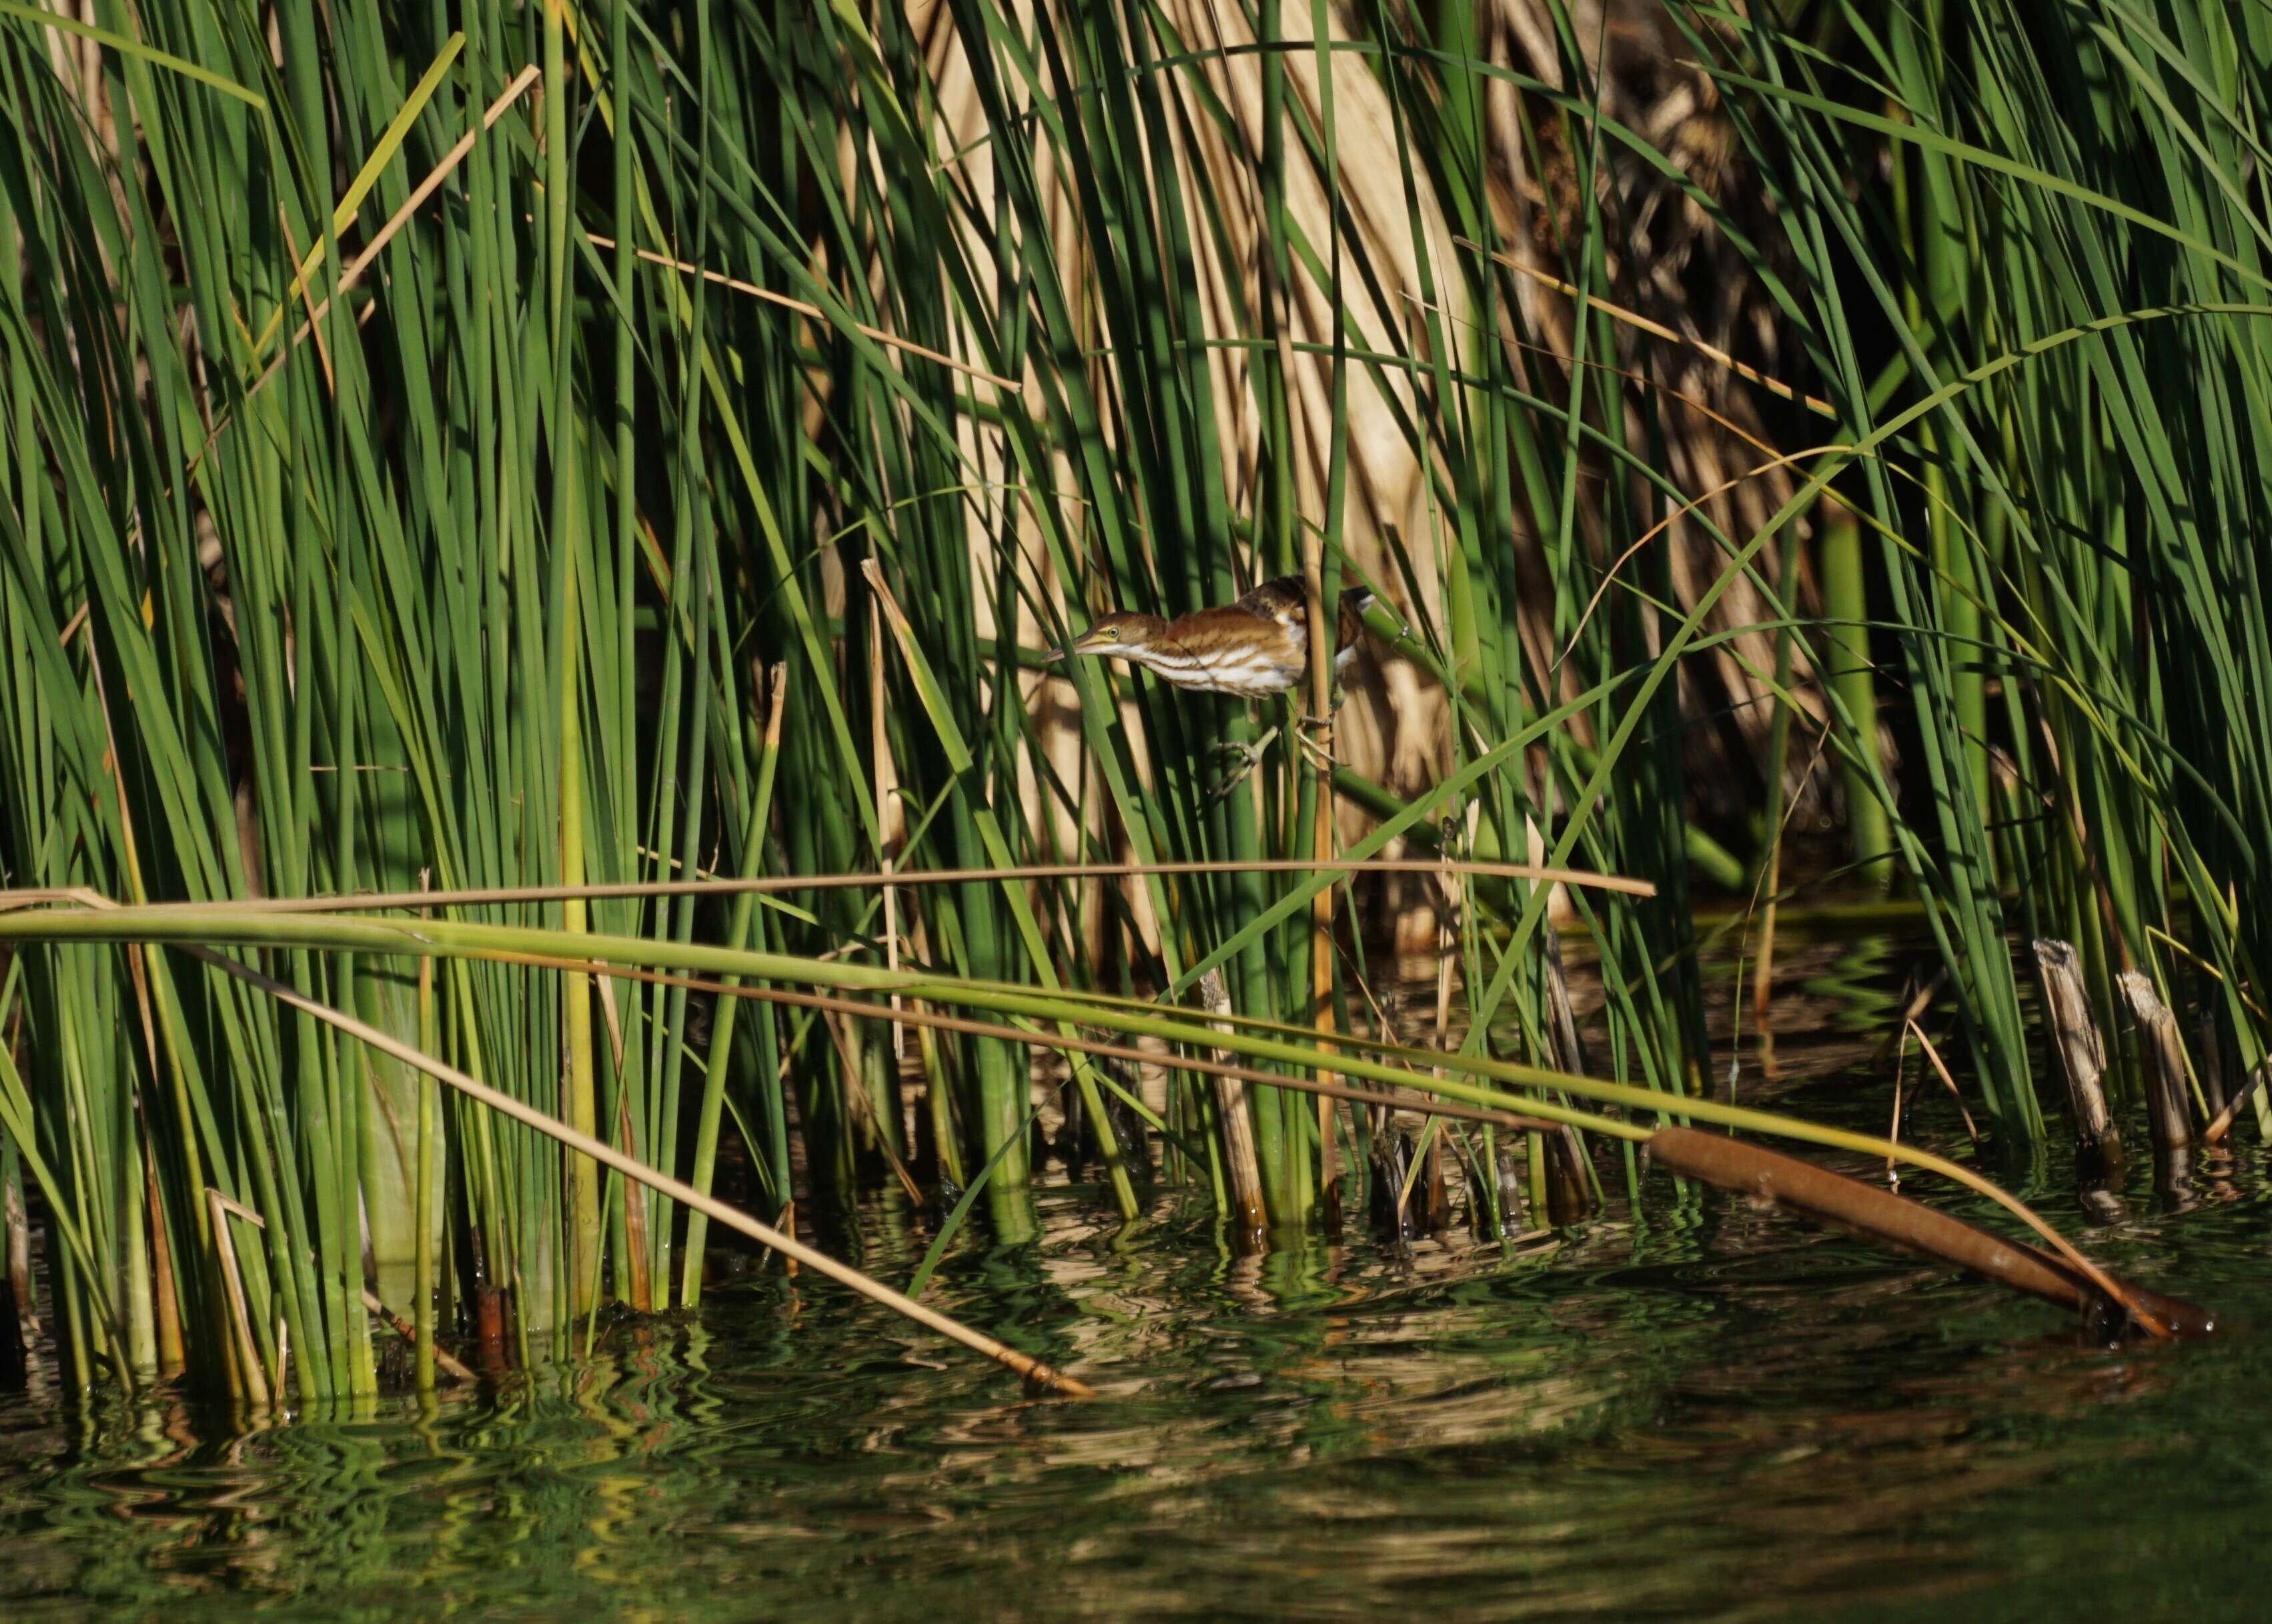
{"points": [[1110, 634]]}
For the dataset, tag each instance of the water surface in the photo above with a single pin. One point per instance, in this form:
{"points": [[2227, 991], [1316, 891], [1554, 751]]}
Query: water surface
{"points": [[1710, 1412]]}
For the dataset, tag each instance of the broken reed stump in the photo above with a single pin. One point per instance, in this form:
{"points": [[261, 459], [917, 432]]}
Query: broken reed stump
{"points": [[2169, 1111], [1427, 1209], [2081, 1056], [1242, 1169], [2212, 1051], [1912, 1226], [1511, 1178], [15, 1288], [1569, 1191], [1391, 1159], [1433, 1190], [16, 1260]]}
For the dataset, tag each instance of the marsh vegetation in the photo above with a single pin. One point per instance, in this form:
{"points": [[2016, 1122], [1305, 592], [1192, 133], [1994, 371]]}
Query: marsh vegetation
{"points": [[592, 491]]}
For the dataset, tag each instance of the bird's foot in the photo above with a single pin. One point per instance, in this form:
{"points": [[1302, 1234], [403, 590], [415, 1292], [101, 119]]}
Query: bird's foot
{"points": [[1250, 758], [1307, 729], [1334, 708]]}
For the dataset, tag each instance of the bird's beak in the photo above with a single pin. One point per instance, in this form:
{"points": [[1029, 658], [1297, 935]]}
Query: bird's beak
{"points": [[1058, 655]]}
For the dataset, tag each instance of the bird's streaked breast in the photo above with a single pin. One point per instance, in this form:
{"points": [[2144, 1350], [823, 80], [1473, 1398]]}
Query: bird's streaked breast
{"points": [[1248, 678], [1249, 667]]}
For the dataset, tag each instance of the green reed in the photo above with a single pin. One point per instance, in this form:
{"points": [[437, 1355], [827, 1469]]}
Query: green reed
{"points": [[607, 528], [2068, 553]]}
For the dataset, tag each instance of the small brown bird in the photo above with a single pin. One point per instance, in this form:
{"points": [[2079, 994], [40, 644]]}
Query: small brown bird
{"points": [[1254, 648], [1251, 649]]}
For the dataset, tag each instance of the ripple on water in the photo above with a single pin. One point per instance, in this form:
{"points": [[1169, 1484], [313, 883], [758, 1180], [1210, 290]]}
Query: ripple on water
{"points": [[1714, 1414]]}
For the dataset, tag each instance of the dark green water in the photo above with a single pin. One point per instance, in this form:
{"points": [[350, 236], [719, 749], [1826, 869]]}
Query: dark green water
{"points": [[1718, 1414]]}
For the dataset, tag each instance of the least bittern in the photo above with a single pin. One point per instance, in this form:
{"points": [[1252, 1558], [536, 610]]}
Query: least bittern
{"points": [[1252, 649]]}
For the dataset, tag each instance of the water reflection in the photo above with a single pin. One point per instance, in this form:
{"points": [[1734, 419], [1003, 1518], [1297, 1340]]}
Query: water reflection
{"points": [[1728, 1416]]}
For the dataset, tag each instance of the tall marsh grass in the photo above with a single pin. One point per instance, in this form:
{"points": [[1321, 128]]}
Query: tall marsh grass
{"points": [[562, 449]]}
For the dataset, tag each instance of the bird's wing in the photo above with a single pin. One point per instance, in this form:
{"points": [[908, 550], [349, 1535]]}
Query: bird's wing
{"points": [[1281, 601]]}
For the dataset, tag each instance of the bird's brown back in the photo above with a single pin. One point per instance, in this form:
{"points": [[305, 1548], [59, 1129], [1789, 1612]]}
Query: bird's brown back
{"points": [[1286, 600]]}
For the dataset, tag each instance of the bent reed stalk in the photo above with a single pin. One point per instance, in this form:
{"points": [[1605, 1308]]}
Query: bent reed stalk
{"points": [[160, 925], [879, 881]]}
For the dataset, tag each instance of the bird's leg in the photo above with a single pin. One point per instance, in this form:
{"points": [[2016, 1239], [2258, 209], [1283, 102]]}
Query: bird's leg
{"points": [[1249, 758]]}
